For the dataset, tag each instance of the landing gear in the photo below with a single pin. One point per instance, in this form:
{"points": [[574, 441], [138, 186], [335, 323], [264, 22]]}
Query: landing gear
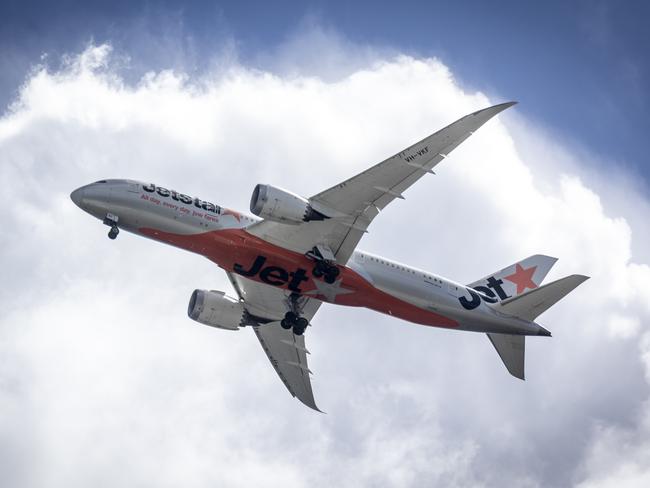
{"points": [[325, 264], [292, 319], [111, 221], [112, 234], [300, 326], [288, 320], [329, 272]]}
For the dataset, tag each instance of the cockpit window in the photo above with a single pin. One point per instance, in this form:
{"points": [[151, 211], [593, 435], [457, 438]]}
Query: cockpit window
{"points": [[101, 181]]}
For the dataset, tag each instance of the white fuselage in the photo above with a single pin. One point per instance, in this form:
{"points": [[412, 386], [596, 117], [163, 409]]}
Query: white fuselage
{"points": [[220, 234]]}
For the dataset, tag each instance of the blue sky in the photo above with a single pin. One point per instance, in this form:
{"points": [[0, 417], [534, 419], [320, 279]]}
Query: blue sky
{"points": [[580, 68]]}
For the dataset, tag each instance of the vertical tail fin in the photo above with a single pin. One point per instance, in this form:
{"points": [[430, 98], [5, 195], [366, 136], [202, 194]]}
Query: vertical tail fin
{"points": [[516, 278]]}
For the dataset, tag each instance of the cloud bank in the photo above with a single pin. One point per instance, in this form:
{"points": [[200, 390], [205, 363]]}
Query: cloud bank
{"points": [[105, 381]]}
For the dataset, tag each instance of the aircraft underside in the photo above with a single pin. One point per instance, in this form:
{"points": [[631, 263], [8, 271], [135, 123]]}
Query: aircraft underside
{"points": [[237, 251]]}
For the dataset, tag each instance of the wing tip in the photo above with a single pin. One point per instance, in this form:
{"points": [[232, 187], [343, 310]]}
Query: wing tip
{"points": [[500, 107], [506, 105], [311, 405], [494, 109], [581, 278]]}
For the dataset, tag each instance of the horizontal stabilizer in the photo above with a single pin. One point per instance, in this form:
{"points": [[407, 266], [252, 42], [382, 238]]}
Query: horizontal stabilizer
{"points": [[511, 349], [530, 305]]}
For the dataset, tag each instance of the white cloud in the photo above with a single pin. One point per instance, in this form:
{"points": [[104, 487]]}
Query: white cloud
{"points": [[105, 378], [618, 457], [624, 327]]}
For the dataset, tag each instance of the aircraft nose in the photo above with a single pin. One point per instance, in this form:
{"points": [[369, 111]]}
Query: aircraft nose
{"points": [[77, 196]]}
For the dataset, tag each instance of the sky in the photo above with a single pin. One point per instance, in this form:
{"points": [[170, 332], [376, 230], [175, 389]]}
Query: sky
{"points": [[580, 67], [104, 380]]}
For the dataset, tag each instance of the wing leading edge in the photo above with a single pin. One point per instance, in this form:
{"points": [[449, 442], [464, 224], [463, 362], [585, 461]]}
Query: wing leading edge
{"points": [[354, 203]]}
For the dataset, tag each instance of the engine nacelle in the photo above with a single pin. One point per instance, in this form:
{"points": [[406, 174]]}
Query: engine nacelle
{"points": [[282, 206], [216, 309]]}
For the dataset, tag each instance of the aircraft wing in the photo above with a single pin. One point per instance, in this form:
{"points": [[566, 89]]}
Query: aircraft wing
{"points": [[285, 350], [354, 203]]}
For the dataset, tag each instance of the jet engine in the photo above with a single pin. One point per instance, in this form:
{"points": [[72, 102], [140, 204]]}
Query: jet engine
{"points": [[216, 309], [282, 206]]}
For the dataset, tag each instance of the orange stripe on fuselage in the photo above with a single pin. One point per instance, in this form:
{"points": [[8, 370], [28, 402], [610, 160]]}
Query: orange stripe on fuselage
{"points": [[231, 247]]}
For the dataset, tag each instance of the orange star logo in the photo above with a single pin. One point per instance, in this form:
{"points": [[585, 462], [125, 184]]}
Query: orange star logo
{"points": [[231, 212], [523, 278]]}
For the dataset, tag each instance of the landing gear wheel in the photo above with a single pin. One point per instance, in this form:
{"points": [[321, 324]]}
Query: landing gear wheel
{"points": [[330, 278], [300, 326], [285, 324], [111, 221], [329, 271], [290, 317], [332, 274]]}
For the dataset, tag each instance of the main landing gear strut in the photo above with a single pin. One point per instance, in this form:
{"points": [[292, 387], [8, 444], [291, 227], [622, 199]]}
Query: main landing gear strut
{"points": [[325, 267], [325, 264], [292, 318]]}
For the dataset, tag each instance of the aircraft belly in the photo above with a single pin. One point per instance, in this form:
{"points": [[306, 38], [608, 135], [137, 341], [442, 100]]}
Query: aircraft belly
{"points": [[405, 297], [256, 259], [406, 289], [431, 294]]}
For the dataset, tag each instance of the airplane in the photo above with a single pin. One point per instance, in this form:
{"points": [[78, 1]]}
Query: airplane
{"points": [[296, 253]]}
